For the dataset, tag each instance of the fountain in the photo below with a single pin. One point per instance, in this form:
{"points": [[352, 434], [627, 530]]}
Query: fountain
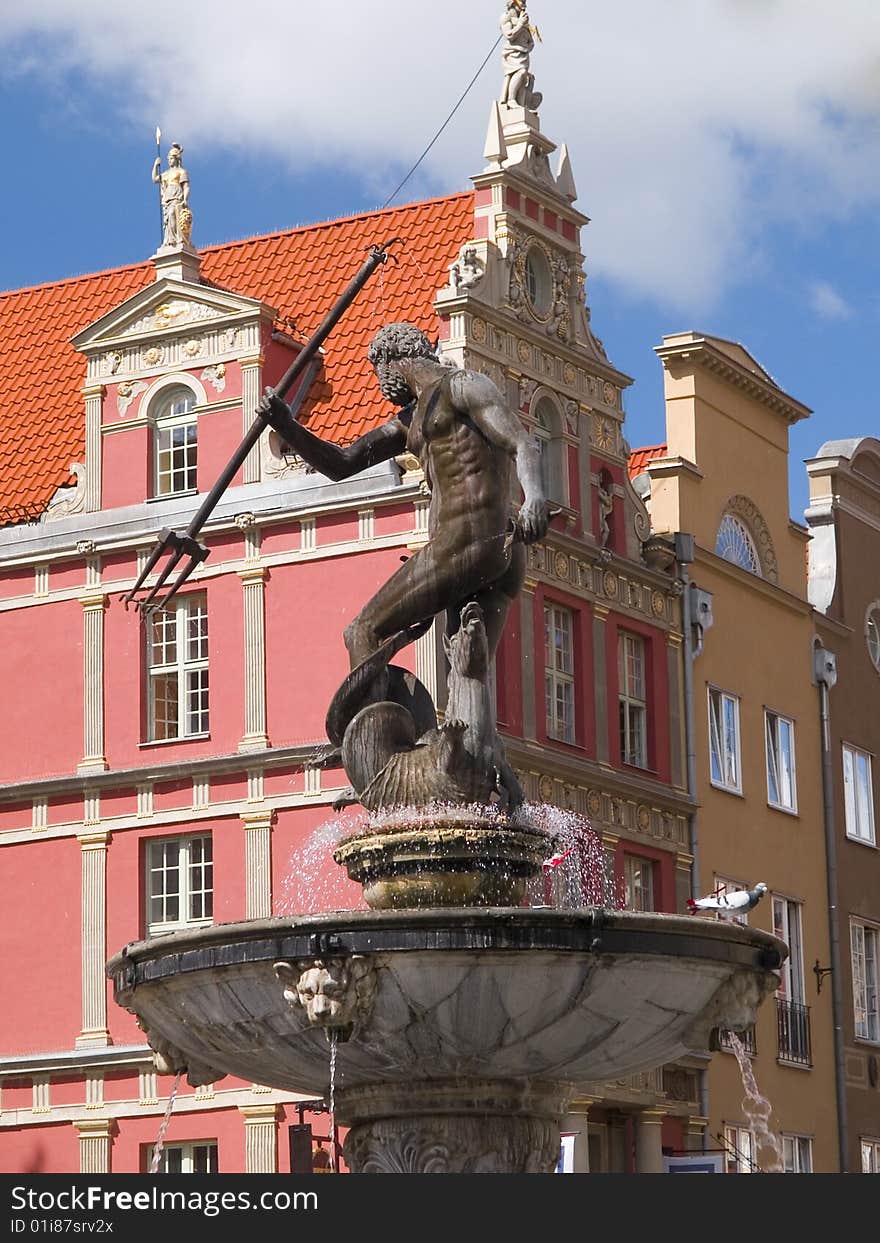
{"points": [[461, 1022]]}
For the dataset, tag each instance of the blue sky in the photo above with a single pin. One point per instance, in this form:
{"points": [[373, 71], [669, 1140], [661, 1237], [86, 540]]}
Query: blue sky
{"points": [[728, 152]]}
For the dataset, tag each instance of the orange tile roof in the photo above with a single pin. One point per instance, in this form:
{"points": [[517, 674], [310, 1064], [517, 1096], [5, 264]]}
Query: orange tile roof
{"points": [[300, 272], [639, 458]]}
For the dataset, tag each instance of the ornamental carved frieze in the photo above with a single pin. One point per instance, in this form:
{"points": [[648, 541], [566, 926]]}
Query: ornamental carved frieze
{"points": [[453, 1145]]}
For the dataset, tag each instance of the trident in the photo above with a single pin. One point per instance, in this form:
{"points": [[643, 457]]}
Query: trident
{"points": [[187, 544]]}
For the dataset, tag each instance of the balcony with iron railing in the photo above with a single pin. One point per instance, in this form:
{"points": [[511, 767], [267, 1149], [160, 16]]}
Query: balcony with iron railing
{"points": [[793, 1032], [747, 1040]]}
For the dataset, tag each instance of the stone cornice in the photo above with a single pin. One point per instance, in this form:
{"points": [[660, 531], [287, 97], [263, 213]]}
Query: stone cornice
{"points": [[703, 353]]}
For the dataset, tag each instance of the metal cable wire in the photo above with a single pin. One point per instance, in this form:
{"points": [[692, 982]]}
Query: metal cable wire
{"points": [[461, 100]]}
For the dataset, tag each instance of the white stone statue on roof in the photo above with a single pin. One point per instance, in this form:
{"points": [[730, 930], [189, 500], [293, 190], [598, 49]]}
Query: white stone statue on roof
{"points": [[174, 192], [517, 90]]}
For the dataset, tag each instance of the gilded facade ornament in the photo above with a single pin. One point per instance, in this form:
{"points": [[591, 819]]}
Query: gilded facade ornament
{"points": [[215, 375], [658, 603], [569, 374], [479, 331], [609, 394], [561, 566], [609, 584], [126, 392]]}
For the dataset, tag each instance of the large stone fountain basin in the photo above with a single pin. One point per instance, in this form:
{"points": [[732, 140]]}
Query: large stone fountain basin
{"points": [[490, 994]]}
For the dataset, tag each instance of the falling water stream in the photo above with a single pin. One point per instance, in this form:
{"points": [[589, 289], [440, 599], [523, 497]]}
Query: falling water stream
{"points": [[334, 1156], [756, 1107], [160, 1138]]}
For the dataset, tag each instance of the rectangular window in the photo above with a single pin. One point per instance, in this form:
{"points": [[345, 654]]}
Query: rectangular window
{"points": [[177, 669], [870, 1156], [864, 945], [198, 1158], [858, 795], [797, 1154], [559, 673], [740, 1148], [633, 700], [781, 781], [724, 766], [792, 1015], [180, 884], [176, 457], [638, 883]]}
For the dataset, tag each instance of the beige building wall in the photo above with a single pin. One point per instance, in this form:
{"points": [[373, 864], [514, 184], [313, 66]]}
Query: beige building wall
{"points": [[727, 454]]}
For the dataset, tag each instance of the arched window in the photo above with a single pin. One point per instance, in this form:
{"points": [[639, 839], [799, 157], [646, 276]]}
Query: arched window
{"points": [[549, 441], [735, 544], [175, 452], [872, 633]]}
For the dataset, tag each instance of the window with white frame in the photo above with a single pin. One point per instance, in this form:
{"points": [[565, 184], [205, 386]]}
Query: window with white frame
{"points": [[177, 669], [179, 883], [788, 925], [797, 1154], [559, 672], [175, 442], [638, 883], [633, 699], [196, 1158], [725, 886], [864, 946], [735, 544], [781, 775], [858, 795], [870, 1155], [740, 1150], [724, 747]]}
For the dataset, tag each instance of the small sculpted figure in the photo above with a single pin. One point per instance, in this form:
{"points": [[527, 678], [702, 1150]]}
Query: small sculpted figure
{"points": [[518, 44], [335, 992], [174, 192]]}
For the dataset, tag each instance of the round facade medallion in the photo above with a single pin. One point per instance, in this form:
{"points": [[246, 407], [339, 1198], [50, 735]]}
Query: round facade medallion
{"points": [[193, 346], [561, 565], [524, 351], [609, 394], [643, 817], [545, 789], [569, 373], [609, 584], [152, 356], [594, 802], [658, 604], [478, 329]]}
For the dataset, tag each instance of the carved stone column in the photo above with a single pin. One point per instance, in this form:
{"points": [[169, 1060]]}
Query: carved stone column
{"points": [[600, 682], [258, 862], [649, 1148], [578, 1122], [260, 1138], [253, 579], [94, 396], [444, 1127], [93, 604], [618, 1162], [93, 843], [251, 382], [95, 1144]]}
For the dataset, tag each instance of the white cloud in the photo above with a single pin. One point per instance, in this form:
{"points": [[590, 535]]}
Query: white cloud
{"points": [[827, 302], [694, 125]]}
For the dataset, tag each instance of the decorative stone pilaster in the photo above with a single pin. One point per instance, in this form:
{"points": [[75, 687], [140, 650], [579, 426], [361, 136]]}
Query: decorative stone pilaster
{"points": [[258, 862], [94, 844], [649, 1142], [260, 1138], [251, 382], [527, 652], [95, 1143], [148, 1085], [93, 604], [253, 579], [39, 815], [94, 396], [94, 1089], [695, 1133], [600, 682], [41, 1101]]}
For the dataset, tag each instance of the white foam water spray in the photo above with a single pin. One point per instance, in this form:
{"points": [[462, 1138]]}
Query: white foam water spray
{"points": [[757, 1108], [163, 1127]]}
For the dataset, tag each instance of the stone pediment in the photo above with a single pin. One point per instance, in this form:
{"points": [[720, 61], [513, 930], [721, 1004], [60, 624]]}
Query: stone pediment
{"points": [[167, 307]]}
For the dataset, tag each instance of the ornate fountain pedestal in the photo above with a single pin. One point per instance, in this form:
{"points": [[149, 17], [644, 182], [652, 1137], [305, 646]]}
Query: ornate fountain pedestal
{"points": [[461, 1034]]}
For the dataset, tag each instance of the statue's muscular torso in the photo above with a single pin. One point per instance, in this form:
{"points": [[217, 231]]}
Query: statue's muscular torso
{"points": [[469, 477]]}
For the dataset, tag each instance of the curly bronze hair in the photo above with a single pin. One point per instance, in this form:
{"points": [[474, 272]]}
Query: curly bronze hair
{"points": [[390, 343]]}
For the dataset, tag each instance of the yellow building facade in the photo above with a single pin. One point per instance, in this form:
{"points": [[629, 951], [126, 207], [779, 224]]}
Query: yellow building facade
{"points": [[754, 752]]}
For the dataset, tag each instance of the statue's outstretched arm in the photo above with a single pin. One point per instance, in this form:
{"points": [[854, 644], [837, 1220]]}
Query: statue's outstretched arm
{"points": [[478, 397], [335, 461]]}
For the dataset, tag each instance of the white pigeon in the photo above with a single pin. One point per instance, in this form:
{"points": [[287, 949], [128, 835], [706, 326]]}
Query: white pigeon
{"points": [[736, 903]]}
